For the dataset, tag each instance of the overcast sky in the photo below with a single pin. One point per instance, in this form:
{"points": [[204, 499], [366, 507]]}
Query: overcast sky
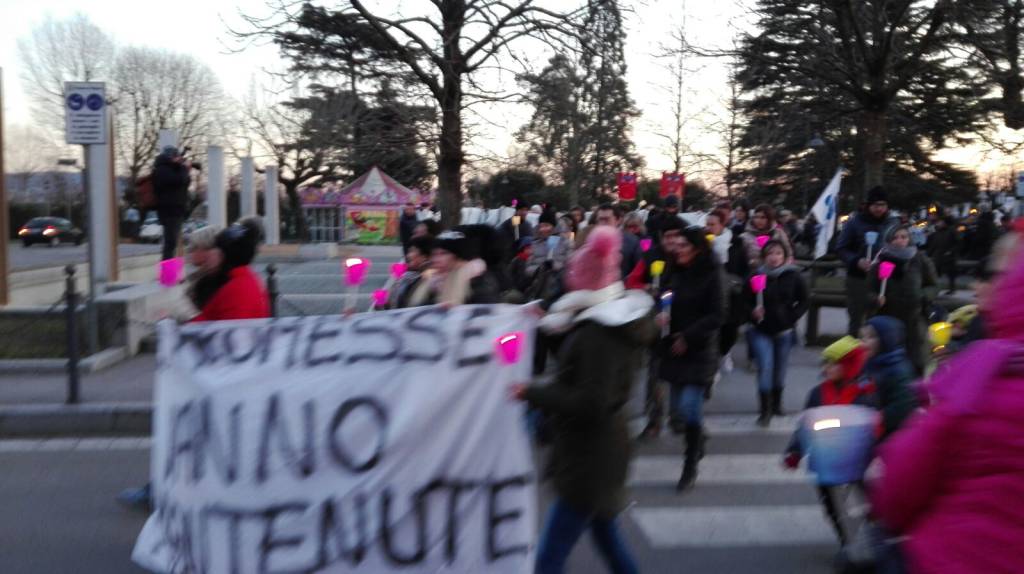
{"points": [[199, 27]]}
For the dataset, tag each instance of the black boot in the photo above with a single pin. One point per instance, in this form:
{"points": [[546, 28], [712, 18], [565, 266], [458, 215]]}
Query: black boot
{"points": [[765, 417], [692, 457], [777, 403]]}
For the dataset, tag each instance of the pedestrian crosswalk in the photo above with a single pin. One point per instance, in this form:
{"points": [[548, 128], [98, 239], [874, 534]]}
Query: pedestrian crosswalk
{"points": [[744, 498]]}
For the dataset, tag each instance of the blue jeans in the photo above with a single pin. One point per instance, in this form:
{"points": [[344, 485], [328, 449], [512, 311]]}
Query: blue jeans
{"points": [[564, 528], [689, 403], [772, 356]]}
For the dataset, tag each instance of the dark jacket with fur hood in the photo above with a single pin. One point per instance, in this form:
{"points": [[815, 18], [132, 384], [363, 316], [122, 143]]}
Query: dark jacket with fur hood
{"points": [[605, 334]]}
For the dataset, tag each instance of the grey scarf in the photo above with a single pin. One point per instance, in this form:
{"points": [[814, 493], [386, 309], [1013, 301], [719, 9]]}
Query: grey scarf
{"points": [[901, 253]]}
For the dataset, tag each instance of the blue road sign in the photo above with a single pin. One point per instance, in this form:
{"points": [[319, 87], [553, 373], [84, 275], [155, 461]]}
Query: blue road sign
{"points": [[94, 102], [76, 101]]}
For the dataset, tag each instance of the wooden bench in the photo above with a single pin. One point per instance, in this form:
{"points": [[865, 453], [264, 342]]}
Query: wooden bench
{"points": [[826, 285]]}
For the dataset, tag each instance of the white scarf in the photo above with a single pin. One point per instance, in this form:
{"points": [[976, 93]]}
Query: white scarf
{"points": [[611, 306]]}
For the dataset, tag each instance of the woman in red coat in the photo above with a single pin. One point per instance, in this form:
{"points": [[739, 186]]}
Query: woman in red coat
{"points": [[236, 292]]}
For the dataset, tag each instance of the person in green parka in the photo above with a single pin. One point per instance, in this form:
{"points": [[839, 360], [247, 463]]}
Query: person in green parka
{"points": [[908, 291], [605, 329]]}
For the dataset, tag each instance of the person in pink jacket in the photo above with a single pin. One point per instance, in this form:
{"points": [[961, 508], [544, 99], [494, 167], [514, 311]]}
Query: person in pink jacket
{"points": [[952, 480]]}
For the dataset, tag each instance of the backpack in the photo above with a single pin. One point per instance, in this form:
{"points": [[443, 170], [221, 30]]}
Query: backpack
{"points": [[144, 193]]}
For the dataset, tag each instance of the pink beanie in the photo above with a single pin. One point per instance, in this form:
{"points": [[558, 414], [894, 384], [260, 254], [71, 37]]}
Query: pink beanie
{"points": [[596, 264]]}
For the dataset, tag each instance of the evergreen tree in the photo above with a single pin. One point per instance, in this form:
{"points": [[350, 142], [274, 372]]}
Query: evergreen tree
{"points": [[580, 128], [874, 79]]}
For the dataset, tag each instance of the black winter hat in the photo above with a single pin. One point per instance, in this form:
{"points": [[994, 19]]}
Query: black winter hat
{"points": [[878, 194], [671, 223], [454, 242], [239, 242]]}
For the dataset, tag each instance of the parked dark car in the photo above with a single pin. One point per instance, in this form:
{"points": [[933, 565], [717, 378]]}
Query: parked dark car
{"points": [[50, 230]]}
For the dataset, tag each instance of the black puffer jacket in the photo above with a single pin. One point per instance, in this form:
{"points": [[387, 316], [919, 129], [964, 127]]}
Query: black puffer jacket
{"points": [[785, 300], [698, 312], [170, 185]]}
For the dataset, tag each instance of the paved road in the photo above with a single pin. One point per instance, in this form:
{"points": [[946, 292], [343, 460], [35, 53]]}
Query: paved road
{"points": [[317, 287], [746, 515], [21, 258]]}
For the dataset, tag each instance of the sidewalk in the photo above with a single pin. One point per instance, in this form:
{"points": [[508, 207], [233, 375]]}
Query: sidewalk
{"points": [[128, 382]]}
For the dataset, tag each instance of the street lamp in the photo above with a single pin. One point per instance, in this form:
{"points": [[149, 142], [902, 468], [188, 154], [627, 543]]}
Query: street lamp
{"points": [[817, 144]]}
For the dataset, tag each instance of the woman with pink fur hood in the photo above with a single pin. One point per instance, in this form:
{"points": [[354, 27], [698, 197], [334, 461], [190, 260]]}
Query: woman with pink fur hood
{"points": [[952, 481]]}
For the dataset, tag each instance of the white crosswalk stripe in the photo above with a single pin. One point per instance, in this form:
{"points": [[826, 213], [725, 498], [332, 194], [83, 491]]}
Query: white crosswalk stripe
{"points": [[728, 527], [716, 469], [744, 498]]}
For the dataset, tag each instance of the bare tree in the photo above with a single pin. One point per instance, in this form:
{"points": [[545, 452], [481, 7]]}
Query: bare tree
{"points": [[304, 136], [675, 56], [29, 153], [446, 51], [57, 51], [157, 89]]}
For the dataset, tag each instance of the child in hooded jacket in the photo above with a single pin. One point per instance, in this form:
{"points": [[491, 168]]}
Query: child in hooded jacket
{"points": [[843, 385]]}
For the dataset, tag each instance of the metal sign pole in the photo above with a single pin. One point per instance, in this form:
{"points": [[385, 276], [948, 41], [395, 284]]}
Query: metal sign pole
{"points": [[91, 314], [3, 205]]}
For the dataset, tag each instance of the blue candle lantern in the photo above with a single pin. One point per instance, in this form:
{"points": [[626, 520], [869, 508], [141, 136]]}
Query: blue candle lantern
{"points": [[666, 301], [839, 442]]}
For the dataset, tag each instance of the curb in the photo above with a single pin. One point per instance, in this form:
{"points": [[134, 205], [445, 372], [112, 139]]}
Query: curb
{"points": [[48, 420], [92, 364]]}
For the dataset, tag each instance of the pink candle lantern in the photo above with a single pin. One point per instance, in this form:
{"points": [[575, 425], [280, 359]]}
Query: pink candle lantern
{"points": [[169, 271], [356, 269], [763, 240], [380, 298], [645, 244], [758, 283], [509, 347], [397, 270], [885, 269]]}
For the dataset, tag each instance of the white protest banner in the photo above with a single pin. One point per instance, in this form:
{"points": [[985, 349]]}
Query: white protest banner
{"points": [[383, 442]]}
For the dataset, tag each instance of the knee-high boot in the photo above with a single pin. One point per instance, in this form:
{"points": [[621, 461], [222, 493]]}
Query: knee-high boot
{"points": [[694, 434]]}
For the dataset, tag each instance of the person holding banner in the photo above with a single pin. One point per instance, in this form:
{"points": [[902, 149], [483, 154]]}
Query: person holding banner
{"points": [[774, 310], [239, 293], [206, 259], [857, 252], [907, 290], [605, 328], [457, 274], [232, 290], [690, 349], [417, 261]]}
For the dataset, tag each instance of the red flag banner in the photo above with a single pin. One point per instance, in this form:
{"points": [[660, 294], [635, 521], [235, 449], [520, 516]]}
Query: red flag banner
{"points": [[672, 184], [627, 186]]}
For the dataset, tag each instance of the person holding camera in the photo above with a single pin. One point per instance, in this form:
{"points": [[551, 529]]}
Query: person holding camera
{"points": [[171, 179]]}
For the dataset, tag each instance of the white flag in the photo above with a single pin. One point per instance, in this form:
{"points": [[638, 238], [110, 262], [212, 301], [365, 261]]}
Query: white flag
{"points": [[826, 210]]}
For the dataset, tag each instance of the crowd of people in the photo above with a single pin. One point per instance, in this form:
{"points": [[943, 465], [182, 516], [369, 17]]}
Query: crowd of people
{"points": [[622, 292]]}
